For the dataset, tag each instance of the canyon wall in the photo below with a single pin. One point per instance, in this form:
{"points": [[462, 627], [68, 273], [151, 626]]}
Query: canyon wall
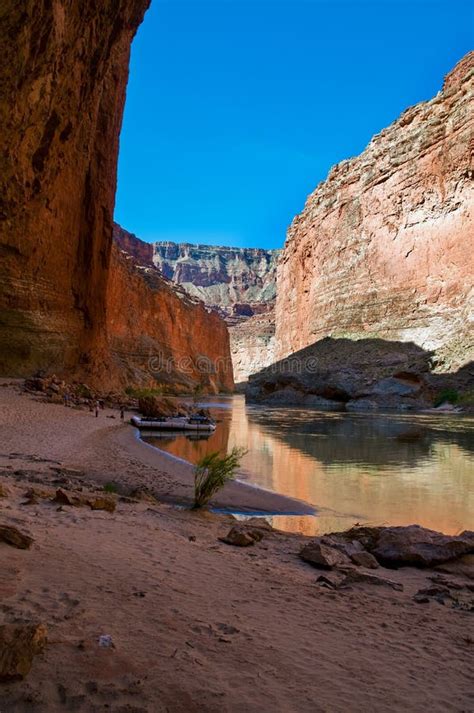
{"points": [[66, 303], [62, 79], [252, 342], [220, 276], [157, 333], [240, 283], [384, 246]]}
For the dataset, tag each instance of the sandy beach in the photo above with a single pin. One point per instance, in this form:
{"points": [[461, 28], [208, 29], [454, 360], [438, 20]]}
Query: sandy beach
{"points": [[196, 625]]}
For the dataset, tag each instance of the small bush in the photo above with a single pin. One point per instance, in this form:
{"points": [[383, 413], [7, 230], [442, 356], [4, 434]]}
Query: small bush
{"points": [[450, 396], [212, 472], [110, 488]]}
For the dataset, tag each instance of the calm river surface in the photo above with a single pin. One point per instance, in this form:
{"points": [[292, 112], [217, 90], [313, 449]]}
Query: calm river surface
{"points": [[380, 469]]}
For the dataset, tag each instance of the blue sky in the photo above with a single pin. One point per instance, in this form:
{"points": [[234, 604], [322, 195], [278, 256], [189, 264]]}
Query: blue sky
{"points": [[236, 109]]}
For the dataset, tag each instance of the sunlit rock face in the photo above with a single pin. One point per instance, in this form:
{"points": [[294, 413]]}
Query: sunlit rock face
{"points": [[252, 342], [384, 246], [220, 276], [239, 283], [63, 76], [157, 333]]}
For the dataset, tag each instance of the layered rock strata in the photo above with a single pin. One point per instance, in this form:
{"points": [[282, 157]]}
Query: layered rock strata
{"points": [[360, 375], [220, 276], [240, 283], [159, 334], [67, 305], [63, 77], [344, 374], [383, 247]]}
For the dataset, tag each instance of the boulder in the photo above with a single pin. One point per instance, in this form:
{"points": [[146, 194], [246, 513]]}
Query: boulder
{"points": [[364, 559], [396, 386], [330, 580], [411, 545], [12, 536], [463, 567], [445, 582], [101, 503], [323, 555], [438, 593], [31, 498], [342, 544], [64, 498], [354, 576], [19, 644], [243, 536], [4, 492], [238, 538], [37, 383]]}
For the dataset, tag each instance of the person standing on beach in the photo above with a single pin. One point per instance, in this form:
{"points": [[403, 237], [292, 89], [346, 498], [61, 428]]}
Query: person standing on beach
{"points": [[97, 406], [122, 412]]}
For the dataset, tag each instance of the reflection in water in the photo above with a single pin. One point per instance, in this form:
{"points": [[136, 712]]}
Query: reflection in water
{"points": [[381, 469]]}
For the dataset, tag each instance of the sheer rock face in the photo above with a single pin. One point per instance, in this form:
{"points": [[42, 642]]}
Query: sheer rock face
{"points": [[66, 304], [158, 333], [240, 283], [63, 77], [220, 276], [252, 342], [383, 247]]}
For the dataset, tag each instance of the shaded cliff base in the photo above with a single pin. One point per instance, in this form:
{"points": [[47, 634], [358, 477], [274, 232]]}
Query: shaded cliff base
{"points": [[197, 625], [156, 337], [363, 375]]}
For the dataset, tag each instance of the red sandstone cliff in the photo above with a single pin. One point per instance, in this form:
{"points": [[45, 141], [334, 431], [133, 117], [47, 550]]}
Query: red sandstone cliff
{"points": [[65, 306], [62, 84], [158, 334], [384, 246], [237, 282]]}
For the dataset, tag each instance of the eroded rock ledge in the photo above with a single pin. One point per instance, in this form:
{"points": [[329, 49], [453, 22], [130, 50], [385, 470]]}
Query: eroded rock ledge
{"points": [[358, 375], [383, 247]]}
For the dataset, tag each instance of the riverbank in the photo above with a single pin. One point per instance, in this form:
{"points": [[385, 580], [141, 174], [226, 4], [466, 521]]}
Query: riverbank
{"points": [[111, 452], [196, 625]]}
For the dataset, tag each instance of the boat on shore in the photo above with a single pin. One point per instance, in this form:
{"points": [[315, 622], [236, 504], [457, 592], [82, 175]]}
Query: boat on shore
{"points": [[178, 423]]}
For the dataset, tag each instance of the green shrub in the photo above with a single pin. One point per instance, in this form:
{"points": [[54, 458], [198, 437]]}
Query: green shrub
{"points": [[450, 396], [212, 472], [110, 488]]}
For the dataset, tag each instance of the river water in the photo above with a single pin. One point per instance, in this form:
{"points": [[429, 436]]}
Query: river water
{"points": [[396, 469]]}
